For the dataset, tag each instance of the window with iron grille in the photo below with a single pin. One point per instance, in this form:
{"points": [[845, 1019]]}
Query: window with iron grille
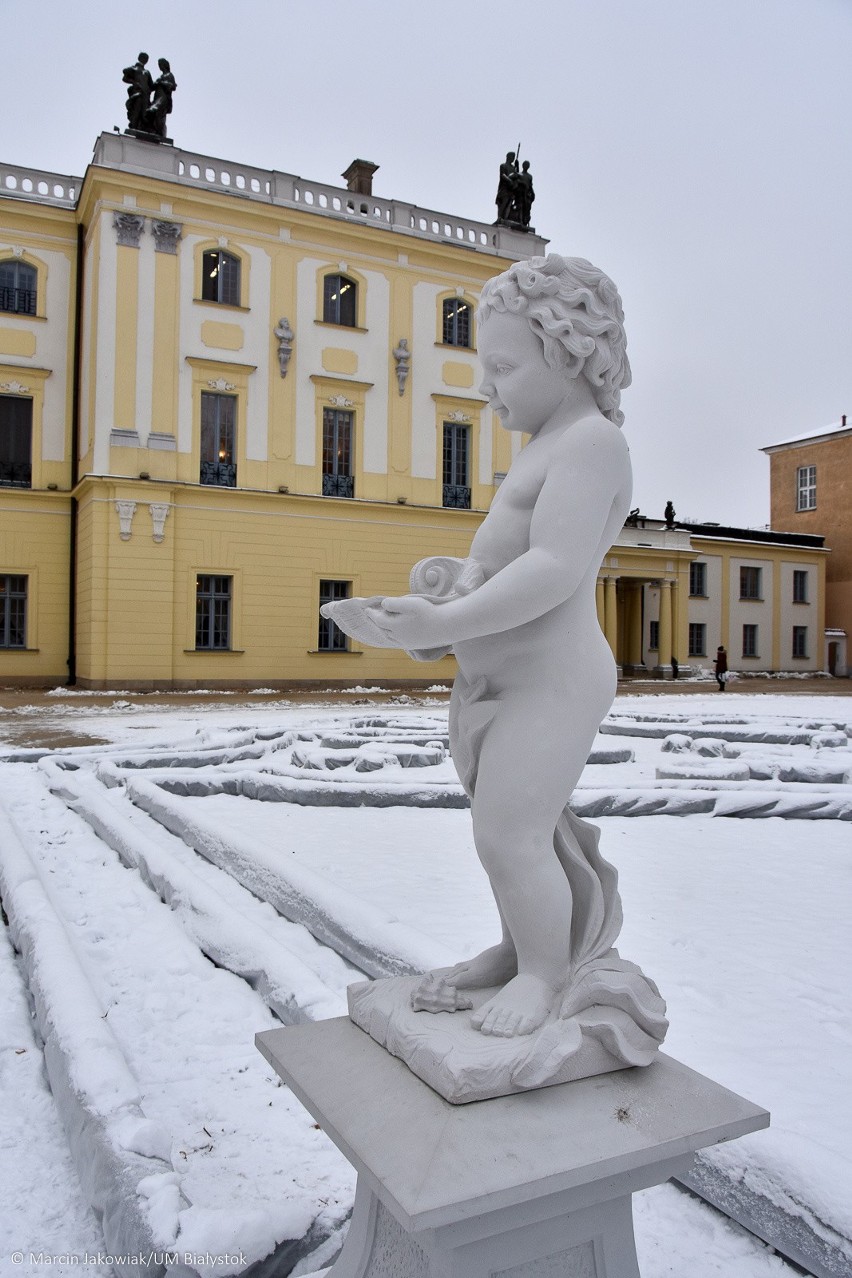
{"points": [[456, 466], [339, 301], [750, 641], [698, 580], [220, 278], [750, 583], [16, 441], [697, 639], [456, 322], [337, 447], [330, 637], [800, 585], [218, 439], [212, 612], [806, 488], [18, 285], [800, 641], [13, 611], [653, 635]]}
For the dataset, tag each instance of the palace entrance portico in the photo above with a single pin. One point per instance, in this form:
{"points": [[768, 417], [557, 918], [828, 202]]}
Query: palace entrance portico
{"points": [[642, 599]]}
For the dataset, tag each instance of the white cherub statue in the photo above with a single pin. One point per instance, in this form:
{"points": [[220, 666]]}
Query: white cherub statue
{"points": [[535, 674]]}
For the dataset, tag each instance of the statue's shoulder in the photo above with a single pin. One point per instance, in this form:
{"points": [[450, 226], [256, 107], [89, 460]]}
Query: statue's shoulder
{"points": [[595, 435]]}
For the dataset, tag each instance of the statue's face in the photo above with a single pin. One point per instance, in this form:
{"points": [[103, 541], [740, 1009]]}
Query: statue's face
{"points": [[520, 385]]}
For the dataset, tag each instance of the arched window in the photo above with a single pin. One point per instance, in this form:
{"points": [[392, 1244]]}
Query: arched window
{"points": [[18, 287], [340, 301], [220, 278], [457, 327]]}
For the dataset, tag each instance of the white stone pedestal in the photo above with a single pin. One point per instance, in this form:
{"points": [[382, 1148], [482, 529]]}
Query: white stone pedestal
{"points": [[534, 1185]]}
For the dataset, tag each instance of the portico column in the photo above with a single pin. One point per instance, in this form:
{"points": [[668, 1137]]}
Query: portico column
{"points": [[633, 657], [599, 601], [611, 615], [664, 656]]}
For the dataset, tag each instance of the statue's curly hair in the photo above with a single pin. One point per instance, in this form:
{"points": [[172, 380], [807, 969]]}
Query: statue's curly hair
{"points": [[576, 311]]}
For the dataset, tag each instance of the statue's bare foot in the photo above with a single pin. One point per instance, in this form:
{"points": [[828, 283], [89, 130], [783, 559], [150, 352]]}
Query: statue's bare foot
{"points": [[494, 966], [519, 1008]]}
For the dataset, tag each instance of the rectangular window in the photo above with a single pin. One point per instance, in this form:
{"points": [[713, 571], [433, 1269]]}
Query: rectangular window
{"points": [[456, 468], [337, 448], [13, 611], [697, 639], [750, 583], [330, 637], [212, 612], [800, 585], [750, 641], [218, 440], [698, 580], [806, 488], [653, 635], [800, 641], [16, 442]]}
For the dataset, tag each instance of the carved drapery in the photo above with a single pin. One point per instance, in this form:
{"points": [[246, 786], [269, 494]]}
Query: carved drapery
{"points": [[125, 511], [159, 513]]}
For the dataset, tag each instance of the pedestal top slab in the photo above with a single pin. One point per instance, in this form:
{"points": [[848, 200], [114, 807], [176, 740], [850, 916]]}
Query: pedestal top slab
{"points": [[441, 1163]]}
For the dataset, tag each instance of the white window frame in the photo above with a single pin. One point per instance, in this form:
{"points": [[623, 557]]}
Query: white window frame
{"points": [[806, 490]]}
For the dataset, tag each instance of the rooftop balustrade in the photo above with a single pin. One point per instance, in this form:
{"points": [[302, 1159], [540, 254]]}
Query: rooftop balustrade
{"points": [[38, 186], [268, 186]]}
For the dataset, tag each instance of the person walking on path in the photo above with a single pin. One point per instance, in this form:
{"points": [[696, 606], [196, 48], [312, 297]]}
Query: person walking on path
{"points": [[720, 667]]}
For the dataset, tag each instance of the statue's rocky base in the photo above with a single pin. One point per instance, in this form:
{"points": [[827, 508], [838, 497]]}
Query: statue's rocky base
{"points": [[524, 1186], [463, 1065]]}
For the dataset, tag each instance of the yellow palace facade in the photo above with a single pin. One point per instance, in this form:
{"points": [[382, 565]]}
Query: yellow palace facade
{"points": [[228, 395]]}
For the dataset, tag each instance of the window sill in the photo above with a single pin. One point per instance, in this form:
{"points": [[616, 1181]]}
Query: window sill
{"points": [[215, 652], [335, 652], [752, 599], [11, 648], [39, 319], [801, 603], [346, 328], [692, 596], [450, 346], [222, 306]]}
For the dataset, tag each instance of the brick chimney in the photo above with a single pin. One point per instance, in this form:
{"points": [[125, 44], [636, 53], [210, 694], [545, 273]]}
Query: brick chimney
{"points": [[843, 420], [359, 177]]}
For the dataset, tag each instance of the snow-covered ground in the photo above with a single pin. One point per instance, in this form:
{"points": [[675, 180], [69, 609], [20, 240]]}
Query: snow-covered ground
{"points": [[742, 922]]}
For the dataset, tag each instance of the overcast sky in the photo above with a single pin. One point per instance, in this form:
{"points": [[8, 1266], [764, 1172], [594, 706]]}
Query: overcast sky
{"points": [[698, 152]]}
